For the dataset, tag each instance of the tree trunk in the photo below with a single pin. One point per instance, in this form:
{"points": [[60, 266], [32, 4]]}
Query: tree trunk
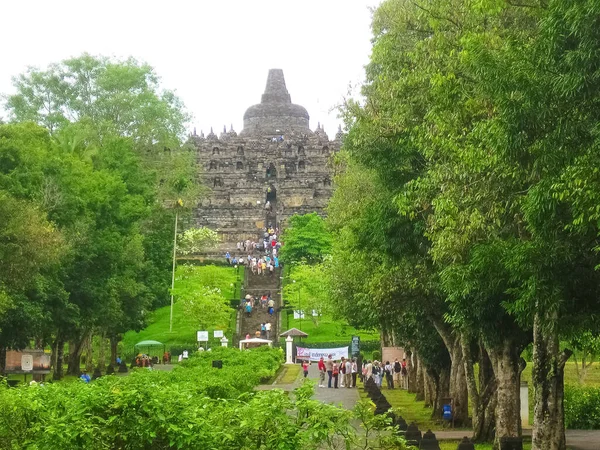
{"points": [[428, 388], [89, 354], [438, 387], [2, 360], [483, 424], [114, 341], [548, 383], [75, 349], [458, 379], [58, 350], [411, 367], [420, 381], [102, 351], [505, 360]]}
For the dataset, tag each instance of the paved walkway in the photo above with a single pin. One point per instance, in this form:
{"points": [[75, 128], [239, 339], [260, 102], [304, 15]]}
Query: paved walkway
{"points": [[346, 397], [576, 439]]}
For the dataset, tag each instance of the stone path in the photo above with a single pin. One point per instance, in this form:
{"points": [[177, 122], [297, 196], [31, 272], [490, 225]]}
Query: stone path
{"points": [[347, 397], [576, 439]]}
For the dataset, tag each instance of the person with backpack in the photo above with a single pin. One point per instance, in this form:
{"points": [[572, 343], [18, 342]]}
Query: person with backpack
{"points": [[397, 373], [389, 378]]}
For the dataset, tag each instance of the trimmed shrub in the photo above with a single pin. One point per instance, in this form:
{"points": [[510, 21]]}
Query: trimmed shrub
{"points": [[582, 407]]}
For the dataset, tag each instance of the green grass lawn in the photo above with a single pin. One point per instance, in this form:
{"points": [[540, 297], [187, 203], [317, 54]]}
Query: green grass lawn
{"points": [[184, 329], [290, 374]]}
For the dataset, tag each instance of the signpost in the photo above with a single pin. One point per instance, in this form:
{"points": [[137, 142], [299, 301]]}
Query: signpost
{"points": [[355, 346], [202, 336], [218, 333]]}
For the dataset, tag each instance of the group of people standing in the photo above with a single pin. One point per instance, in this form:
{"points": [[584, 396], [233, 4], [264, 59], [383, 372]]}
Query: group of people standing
{"points": [[260, 265], [342, 373], [394, 373]]}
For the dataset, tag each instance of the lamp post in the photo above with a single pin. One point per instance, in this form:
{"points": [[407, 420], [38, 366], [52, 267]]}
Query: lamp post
{"points": [[299, 305], [173, 275]]}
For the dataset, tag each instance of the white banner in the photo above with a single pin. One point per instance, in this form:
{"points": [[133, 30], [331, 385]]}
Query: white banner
{"points": [[314, 354]]}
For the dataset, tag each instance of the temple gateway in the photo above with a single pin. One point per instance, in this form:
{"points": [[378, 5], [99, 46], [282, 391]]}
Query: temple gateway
{"points": [[276, 158]]}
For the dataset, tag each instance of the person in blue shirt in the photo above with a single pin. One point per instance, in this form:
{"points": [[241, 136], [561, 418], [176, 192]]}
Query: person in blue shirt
{"points": [[84, 376], [118, 360]]}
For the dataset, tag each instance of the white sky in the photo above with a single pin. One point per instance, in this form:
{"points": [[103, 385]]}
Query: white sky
{"points": [[214, 53]]}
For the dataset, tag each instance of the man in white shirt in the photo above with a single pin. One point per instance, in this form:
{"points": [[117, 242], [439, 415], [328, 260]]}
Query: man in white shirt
{"points": [[268, 328]]}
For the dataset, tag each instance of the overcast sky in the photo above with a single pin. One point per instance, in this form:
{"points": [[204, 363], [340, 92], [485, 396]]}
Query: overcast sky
{"points": [[214, 53]]}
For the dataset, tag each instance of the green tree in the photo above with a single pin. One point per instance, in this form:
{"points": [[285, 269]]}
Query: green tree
{"points": [[305, 240], [106, 96]]}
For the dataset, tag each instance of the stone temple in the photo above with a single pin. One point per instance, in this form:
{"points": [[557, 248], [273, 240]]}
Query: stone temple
{"points": [[275, 158]]}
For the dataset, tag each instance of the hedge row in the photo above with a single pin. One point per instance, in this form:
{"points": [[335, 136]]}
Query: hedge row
{"points": [[582, 408]]}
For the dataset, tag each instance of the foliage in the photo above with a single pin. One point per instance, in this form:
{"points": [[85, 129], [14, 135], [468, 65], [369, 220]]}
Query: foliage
{"points": [[582, 408], [223, 278], [105, 96], [307, 290], [305, 239], [196, 240], [195, 406]]}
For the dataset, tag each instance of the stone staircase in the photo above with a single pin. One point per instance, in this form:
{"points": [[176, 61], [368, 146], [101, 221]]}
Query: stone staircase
{"points": [[257, 285]]}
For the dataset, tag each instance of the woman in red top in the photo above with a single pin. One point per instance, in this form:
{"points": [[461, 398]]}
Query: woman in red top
{"points": [[322, 371], [305, 368]]}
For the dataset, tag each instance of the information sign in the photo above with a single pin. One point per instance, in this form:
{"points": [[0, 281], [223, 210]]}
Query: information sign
{"points": [[202, 336]]}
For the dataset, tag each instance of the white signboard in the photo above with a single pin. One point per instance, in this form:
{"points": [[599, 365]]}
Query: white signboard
{"points": [[314, 354], [218, 333], [27, 363], [298, 314], [202, 336]]}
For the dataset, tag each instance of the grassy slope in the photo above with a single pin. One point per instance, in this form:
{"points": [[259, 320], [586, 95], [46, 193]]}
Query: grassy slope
{"points": [[329, 330], [184, 330]]}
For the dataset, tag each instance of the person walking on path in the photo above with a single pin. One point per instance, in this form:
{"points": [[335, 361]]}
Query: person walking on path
{"points": [[336, 373], [368, 371], [348, 374], [397, 373], [329, 366], [342, 371], [305, 368], [322, 371], [404, 374], [389, 378], [354, 372], [268, 328]]}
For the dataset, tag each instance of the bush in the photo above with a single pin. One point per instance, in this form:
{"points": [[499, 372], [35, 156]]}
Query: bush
{"points": [[377, 355], [195, 406], [582, 407]]}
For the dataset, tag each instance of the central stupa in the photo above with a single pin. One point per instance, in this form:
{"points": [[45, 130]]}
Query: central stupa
{"points": [[275, 114]]}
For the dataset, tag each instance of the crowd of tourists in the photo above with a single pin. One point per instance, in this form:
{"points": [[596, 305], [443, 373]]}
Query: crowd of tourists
{"points": [[343, 373], [395, 374], [264, 331], [268, 250], [340, 373], [265, 301]]}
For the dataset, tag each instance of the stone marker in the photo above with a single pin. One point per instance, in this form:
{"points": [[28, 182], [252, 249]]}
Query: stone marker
{"points": [[511, 443], [429, 442], [466, 444], [413, 435]]}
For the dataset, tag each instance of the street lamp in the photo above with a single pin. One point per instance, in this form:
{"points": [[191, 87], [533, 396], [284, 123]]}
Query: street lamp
{"points": [[299, 305]]}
